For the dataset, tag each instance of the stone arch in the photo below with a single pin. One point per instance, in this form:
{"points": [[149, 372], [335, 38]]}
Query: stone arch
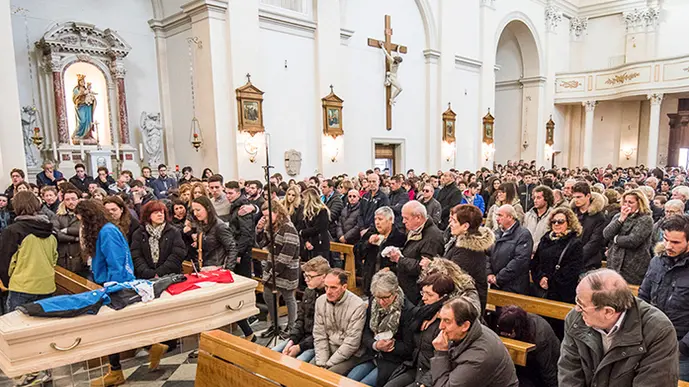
{"points": [[429, 26], [527, 36]]}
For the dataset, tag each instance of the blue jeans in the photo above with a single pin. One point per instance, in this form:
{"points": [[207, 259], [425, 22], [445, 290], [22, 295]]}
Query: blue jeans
{"points": [[366, 373], [304, 356], [15, 299], [683, 368]]}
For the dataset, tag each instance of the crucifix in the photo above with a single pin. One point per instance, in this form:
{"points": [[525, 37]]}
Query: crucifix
{"points": [[391, 68]]}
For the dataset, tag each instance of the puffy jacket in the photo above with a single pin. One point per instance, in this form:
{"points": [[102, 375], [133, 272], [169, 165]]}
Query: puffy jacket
{"points": [[562, 283], [219, 247], [241, 227], [509, 259], [368, 206], [666, 286], [448, 197], [537, 227], [28, 254], [348, 226], [113, 260], [68, 246], [592, 223], [469, 252], [630, 246], [335, 205], [286, 269], [477, 202], [643, 353], [398, 199], [172, 252], [428, 244], [480, 359], [302, 331], [338, 328]]}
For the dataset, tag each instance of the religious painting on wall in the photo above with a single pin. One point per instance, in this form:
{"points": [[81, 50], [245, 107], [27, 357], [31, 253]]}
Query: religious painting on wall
{"points": [[488, 123], [250, 106], [449, 120], [332, 114]]}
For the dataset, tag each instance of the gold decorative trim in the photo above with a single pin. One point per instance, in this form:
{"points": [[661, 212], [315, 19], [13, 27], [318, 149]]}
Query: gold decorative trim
{"points": [[570, 84], [656, 76], [590, 82], [621, 78]]}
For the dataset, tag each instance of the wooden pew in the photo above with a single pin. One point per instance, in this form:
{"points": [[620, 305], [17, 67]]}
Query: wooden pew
{"points": [[226, 360], [347, 252], [70, 283], [518, 350], [535, 305]]}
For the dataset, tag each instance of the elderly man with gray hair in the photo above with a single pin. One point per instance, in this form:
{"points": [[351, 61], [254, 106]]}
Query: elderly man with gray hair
{"points": [[424, 241], [384, 234], [614, 339], [672, 207], [681, 192], [508, 264]]}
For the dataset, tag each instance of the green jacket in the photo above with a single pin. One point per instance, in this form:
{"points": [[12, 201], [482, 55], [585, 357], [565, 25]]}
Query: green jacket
{"points": [[28, 254]]}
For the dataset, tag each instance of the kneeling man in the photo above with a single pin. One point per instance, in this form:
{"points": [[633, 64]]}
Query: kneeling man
{"points": [[468, 353]]}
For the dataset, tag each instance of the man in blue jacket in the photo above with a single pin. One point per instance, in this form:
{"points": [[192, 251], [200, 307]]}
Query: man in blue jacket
{"points": [[508, 264], [666, 284], [163, 183], [49, 176]]}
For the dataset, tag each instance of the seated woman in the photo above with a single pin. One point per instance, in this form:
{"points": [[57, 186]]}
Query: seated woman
{"points": [[300, 342], [558, 260], [179, 214], [387, 338], [425, 326], [120, 216], [374, 241], [541, 363], [157, 250]]}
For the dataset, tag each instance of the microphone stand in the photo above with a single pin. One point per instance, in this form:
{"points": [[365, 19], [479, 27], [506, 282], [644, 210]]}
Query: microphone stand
{"points": [[276, 326]]}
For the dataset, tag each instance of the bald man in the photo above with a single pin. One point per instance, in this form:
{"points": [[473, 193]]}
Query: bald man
{"points": [[616, 340]]}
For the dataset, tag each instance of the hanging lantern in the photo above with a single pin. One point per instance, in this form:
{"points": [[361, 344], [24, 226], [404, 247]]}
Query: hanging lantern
{"points": [[37, 139], [196, 138], [550, 131]]}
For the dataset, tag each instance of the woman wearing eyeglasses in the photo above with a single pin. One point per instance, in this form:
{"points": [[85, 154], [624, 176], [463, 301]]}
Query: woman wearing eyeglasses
{"points": [[558, 260]]}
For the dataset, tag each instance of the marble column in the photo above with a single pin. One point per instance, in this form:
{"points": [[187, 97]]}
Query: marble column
{"points": [[590, 107], [654, 129], [118, 71], [12, 145], [59, 97]]}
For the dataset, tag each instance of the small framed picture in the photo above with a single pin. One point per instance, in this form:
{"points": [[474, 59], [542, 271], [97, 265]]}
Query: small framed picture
{"points": [[332, 114], [250, 106], [449, 121]]}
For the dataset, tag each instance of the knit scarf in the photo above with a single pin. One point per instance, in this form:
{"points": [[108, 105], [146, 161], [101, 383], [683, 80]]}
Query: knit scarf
{"points": [[154, 234], [555, 236], [387, 319], [426, 313]]}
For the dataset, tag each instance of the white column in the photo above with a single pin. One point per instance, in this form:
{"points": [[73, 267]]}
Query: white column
{"points": [[433, 113], [214, 106], [654, 129], [487, 85], [11, 147], [590, 107], [553, 18], [164, 90]]}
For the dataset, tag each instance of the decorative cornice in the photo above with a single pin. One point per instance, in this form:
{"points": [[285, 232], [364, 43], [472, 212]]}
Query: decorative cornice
{"points": [[553, 17], [508, 85], [345, 35], [539, 80], [589, 106], [281, 22], [639, 19], [83, 38], [578, 26], [470, 63], [655, 98], [488, 3], [204, 9], [432, 56], [608, 8]]}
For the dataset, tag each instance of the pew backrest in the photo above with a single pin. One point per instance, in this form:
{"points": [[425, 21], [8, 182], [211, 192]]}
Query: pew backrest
{"points": [[535, 305], [70, 283]]}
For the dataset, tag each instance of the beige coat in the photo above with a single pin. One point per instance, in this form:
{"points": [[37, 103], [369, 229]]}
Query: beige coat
{"points": [[337, 329], [536, 227]]}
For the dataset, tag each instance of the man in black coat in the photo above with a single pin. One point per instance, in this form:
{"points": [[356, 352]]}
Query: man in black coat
{"points": [[370, 202], [334, 203], [398, 198], [241, 226], [81, 180], [448, 196], [588, 206], [424, 241], [508, 264], [525, 190]]}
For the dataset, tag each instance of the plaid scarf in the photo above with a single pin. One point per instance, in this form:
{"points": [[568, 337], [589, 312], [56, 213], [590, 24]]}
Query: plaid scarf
{"points": [[387, 319]]}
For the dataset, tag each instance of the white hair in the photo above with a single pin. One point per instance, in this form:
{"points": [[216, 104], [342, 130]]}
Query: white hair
{"points": [[682, 190], [509, 210], [383, 283], [648, 191], [570, 182], [386, 212], [416, 208], [652, 179], [676, 204]]}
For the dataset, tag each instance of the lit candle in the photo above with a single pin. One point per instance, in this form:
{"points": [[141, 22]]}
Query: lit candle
{"points": [[141, 151], [81, 149], [55, 151]]}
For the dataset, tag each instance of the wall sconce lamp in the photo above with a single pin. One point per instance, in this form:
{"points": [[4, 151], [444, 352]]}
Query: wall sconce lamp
{"points": [[549, 138], [488, 126], [251, 148], [448, 151], [628, 152], [488, 151], [332, 148]]}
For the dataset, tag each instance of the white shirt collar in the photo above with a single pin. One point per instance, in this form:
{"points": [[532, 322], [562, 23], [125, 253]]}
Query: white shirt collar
{"points": [[615, 328]]}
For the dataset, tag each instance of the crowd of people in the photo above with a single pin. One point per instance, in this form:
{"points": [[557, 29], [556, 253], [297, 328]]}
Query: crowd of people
{"points": [[428, 247]]}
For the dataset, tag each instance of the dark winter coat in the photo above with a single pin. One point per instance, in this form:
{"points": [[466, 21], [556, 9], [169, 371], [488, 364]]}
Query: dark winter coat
{"points": [[469, 252], [387, 362], [163, 184], [562, 282], [302, 331], [335, 205], [297, 218], [82, 185], [630, 244], [241, 227], [433, 209], [480, 359], [316, 232], [219, 247], [541, 362], [525, 196], [172, 251], [593, 222], [448, 197], [428, 244], [348, 226], [368, 207], [373, 260], [509, 259], [666, 286], [657, 212], [643, 352], [397, 200], [68, 246], [105, 185], [423, 348]]}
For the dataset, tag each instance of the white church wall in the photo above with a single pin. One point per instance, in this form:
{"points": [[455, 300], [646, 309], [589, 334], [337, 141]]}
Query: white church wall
{"points": [[509, 58], [468, 24], [468, 120], [672, 29], [141, 81], [171, 7], [508, 120], [602, 45], [616, 129]]}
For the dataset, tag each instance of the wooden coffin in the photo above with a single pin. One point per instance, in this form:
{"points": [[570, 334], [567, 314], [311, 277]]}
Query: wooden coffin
{"points": [[29, 344]]}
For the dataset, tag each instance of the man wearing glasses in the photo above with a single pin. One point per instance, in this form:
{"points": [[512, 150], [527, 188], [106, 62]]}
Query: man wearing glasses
{"points": [[614, 339], [433, 207]]}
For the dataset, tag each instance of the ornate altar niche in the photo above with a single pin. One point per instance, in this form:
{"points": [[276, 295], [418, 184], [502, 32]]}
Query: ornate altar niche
{"points": [[86, 100]]}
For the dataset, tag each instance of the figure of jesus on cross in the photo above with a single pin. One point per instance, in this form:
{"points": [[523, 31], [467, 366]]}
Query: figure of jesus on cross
{"points": [[393, 88]]}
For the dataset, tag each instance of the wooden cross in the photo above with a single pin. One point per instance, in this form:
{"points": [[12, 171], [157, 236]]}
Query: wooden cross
{"points": [[390, 47]]}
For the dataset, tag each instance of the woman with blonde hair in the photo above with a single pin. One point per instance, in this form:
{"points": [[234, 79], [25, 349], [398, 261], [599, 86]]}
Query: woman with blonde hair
{"points": [[292, 203], [185, 193], [629, 237], [558, 260], [198, 190], [315, 233], [505, 194]]}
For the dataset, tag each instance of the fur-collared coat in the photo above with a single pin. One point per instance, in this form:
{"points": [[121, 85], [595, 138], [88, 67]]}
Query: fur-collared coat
{"points": [[469, 252], [593, 222]]}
